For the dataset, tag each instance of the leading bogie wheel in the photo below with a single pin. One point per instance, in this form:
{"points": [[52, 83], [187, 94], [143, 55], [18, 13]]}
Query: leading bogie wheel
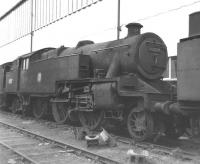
{"points": [[140, 125], [91, 120]]}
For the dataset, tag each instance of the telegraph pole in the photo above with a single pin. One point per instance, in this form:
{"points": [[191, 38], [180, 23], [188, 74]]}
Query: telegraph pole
{"points": [[32, 33], [118, 20]]}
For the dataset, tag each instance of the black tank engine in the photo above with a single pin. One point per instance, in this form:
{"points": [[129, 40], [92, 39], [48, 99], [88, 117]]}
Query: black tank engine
{"points": [[95, 84]]}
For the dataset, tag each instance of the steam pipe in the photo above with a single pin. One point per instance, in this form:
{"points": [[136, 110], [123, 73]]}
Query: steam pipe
{"points": [[168, 107]]}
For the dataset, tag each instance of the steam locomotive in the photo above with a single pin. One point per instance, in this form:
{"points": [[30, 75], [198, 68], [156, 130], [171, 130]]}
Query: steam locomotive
{"points": [[96, 84]]}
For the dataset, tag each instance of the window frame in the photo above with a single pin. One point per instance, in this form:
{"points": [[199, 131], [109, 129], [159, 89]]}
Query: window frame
{"points": [[25, 64]]}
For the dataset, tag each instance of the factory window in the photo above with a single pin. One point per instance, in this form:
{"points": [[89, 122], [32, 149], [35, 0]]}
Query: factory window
{"points": [[25, 64]]}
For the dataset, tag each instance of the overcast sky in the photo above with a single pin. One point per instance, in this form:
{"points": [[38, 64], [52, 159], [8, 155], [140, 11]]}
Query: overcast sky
{"points": [[98, 23]]}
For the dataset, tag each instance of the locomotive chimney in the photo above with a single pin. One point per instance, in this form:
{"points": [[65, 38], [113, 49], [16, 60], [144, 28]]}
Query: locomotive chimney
{"points": [[133, 29]]}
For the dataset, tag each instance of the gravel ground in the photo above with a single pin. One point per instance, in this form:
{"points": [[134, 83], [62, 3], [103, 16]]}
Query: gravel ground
{"points": [[65, 134], [39, 151]]}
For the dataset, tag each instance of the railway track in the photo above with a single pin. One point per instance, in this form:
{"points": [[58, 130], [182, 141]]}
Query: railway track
{"points": [[158, 150], [155, 149], [38, 149], [23, 157]]}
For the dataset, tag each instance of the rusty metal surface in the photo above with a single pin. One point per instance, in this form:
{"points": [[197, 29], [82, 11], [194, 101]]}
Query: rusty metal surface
{"points": [[104, 96]]}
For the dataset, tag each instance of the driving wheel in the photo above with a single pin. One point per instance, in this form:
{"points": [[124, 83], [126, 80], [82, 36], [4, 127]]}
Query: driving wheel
{"points": [[140, 125]]}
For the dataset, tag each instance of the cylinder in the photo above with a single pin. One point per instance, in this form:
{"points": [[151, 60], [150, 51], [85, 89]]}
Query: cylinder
{"points": [[194, 24]]}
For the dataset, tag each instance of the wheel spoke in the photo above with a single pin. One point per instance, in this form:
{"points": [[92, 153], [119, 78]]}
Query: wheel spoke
{"points": [[139, 123]]}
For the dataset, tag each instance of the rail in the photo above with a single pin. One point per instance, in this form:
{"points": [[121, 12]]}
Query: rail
{"points": [[78, 151], [154, 148], [18, 153]]}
